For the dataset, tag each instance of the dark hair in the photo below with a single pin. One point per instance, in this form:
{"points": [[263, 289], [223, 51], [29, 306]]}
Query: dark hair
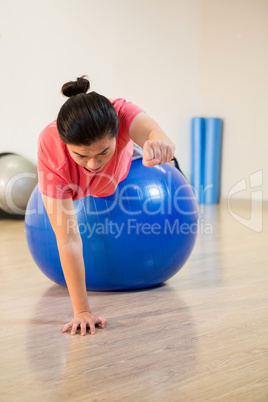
{"points": [[85, 117]]}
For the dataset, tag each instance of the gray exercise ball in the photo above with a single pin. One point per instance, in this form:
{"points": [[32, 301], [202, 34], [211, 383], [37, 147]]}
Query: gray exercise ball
{"points": [[18, 178]]}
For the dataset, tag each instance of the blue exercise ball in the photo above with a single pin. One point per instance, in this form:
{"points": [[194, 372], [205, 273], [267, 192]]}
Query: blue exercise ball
{"points": [[136, 238]]}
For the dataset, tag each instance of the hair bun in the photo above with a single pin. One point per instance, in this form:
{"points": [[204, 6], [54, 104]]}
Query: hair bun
{"points": [[72, 88]]}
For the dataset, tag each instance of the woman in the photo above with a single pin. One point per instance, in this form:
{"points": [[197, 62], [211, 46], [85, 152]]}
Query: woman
{"points": [[88, 151]]}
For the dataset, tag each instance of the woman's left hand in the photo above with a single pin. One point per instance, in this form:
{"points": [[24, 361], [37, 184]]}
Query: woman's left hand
{"points": [[156, 151]]}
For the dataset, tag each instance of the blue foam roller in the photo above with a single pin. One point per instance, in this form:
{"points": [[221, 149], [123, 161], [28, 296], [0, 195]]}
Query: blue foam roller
{"points": [[212, 160], [197, 160]]}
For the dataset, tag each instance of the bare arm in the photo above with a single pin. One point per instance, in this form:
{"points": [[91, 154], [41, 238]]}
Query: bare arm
{"points": [[64, 223], [157, 146]]}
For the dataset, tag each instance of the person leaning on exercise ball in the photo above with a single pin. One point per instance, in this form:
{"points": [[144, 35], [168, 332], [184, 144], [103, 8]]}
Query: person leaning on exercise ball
{"points": [[87, 151]]}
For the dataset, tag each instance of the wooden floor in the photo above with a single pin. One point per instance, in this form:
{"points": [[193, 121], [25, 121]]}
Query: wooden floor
{"points": [[200, 337]]}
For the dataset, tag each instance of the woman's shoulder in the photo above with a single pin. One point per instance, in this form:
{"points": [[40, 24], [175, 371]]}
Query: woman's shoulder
{"points": [[126, 110], [50, 146]]}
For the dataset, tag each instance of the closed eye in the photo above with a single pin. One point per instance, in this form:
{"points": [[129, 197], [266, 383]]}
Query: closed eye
{"points": [[84, 156]]}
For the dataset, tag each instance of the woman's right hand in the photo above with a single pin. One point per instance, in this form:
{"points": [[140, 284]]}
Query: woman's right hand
{"points": [[83, 320]]}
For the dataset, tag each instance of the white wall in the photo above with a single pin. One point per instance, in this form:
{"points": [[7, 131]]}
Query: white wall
{"points": [[174, 58], [233, 82], [144, 51]]}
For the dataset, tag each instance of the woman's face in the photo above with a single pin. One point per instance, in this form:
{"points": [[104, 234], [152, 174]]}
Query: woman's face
{"points": [[95, 156]]}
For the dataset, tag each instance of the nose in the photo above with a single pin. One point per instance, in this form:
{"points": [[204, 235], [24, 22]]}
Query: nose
{"points": [[93, 164]]}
